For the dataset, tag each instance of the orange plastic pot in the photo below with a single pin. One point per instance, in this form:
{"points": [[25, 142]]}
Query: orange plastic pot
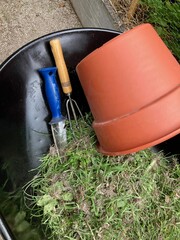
{"points": [[132, 85]]}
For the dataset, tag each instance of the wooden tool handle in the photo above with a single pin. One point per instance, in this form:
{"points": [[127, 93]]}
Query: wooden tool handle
{"points": [[61, 65]]}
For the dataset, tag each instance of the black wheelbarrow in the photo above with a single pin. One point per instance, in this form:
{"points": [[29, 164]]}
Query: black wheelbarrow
{"points": [[24, 130], [24, 116]]}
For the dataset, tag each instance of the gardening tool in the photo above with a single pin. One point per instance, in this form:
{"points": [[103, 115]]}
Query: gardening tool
{"points": [[53, 97], [5, 231], [71, 104]]}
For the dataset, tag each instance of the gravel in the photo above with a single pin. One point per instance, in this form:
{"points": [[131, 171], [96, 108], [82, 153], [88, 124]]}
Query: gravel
{"points": [[22, 21]]}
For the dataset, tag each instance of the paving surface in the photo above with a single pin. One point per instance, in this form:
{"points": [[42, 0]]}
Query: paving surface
{"points": [[22, 21]]}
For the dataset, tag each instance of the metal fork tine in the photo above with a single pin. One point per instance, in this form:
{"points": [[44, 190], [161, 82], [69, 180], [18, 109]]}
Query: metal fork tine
{"points": [[71, 104]]}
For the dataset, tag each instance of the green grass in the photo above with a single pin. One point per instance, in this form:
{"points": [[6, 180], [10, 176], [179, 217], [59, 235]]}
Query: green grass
{"points": [[85, 195], [12, 207], [165, 17]]}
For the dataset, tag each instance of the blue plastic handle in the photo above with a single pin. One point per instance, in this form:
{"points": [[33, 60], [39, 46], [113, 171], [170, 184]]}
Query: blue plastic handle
{"points": [[52, 92]]}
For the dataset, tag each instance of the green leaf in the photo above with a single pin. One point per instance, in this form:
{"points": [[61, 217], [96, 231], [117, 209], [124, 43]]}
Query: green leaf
{"points": [[121, 204], [45, 199], [23, 226], [50, 207], [67, 197], [20, 216]]}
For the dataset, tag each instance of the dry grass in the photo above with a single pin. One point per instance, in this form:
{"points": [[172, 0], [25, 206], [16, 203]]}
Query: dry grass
{"points": [[131, 12]]}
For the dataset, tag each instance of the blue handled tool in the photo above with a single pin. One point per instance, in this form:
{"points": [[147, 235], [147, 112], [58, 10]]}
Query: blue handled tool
{"points": [[53, 97]]}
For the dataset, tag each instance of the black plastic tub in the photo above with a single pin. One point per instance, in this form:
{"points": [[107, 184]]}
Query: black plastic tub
{"points": [[24, 115]]}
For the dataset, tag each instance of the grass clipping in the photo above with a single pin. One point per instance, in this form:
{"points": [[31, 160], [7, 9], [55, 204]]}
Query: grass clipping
{"points": [[85, 195]]}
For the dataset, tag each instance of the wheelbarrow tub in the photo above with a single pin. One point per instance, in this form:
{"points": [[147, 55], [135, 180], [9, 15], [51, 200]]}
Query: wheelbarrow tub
{"points": [[25, 133]]}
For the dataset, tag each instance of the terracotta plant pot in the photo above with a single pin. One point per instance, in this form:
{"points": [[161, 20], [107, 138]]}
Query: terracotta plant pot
{"points": [[132, 85]]}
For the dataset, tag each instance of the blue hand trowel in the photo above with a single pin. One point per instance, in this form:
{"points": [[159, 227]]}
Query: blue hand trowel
{"points": [[53, 97]]}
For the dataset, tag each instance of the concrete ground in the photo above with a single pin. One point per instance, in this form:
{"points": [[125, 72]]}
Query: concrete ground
{"points": [[24, 20]]}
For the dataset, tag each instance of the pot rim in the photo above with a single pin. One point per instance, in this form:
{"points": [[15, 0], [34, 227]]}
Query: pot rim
{"points": [[141, 147]]}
